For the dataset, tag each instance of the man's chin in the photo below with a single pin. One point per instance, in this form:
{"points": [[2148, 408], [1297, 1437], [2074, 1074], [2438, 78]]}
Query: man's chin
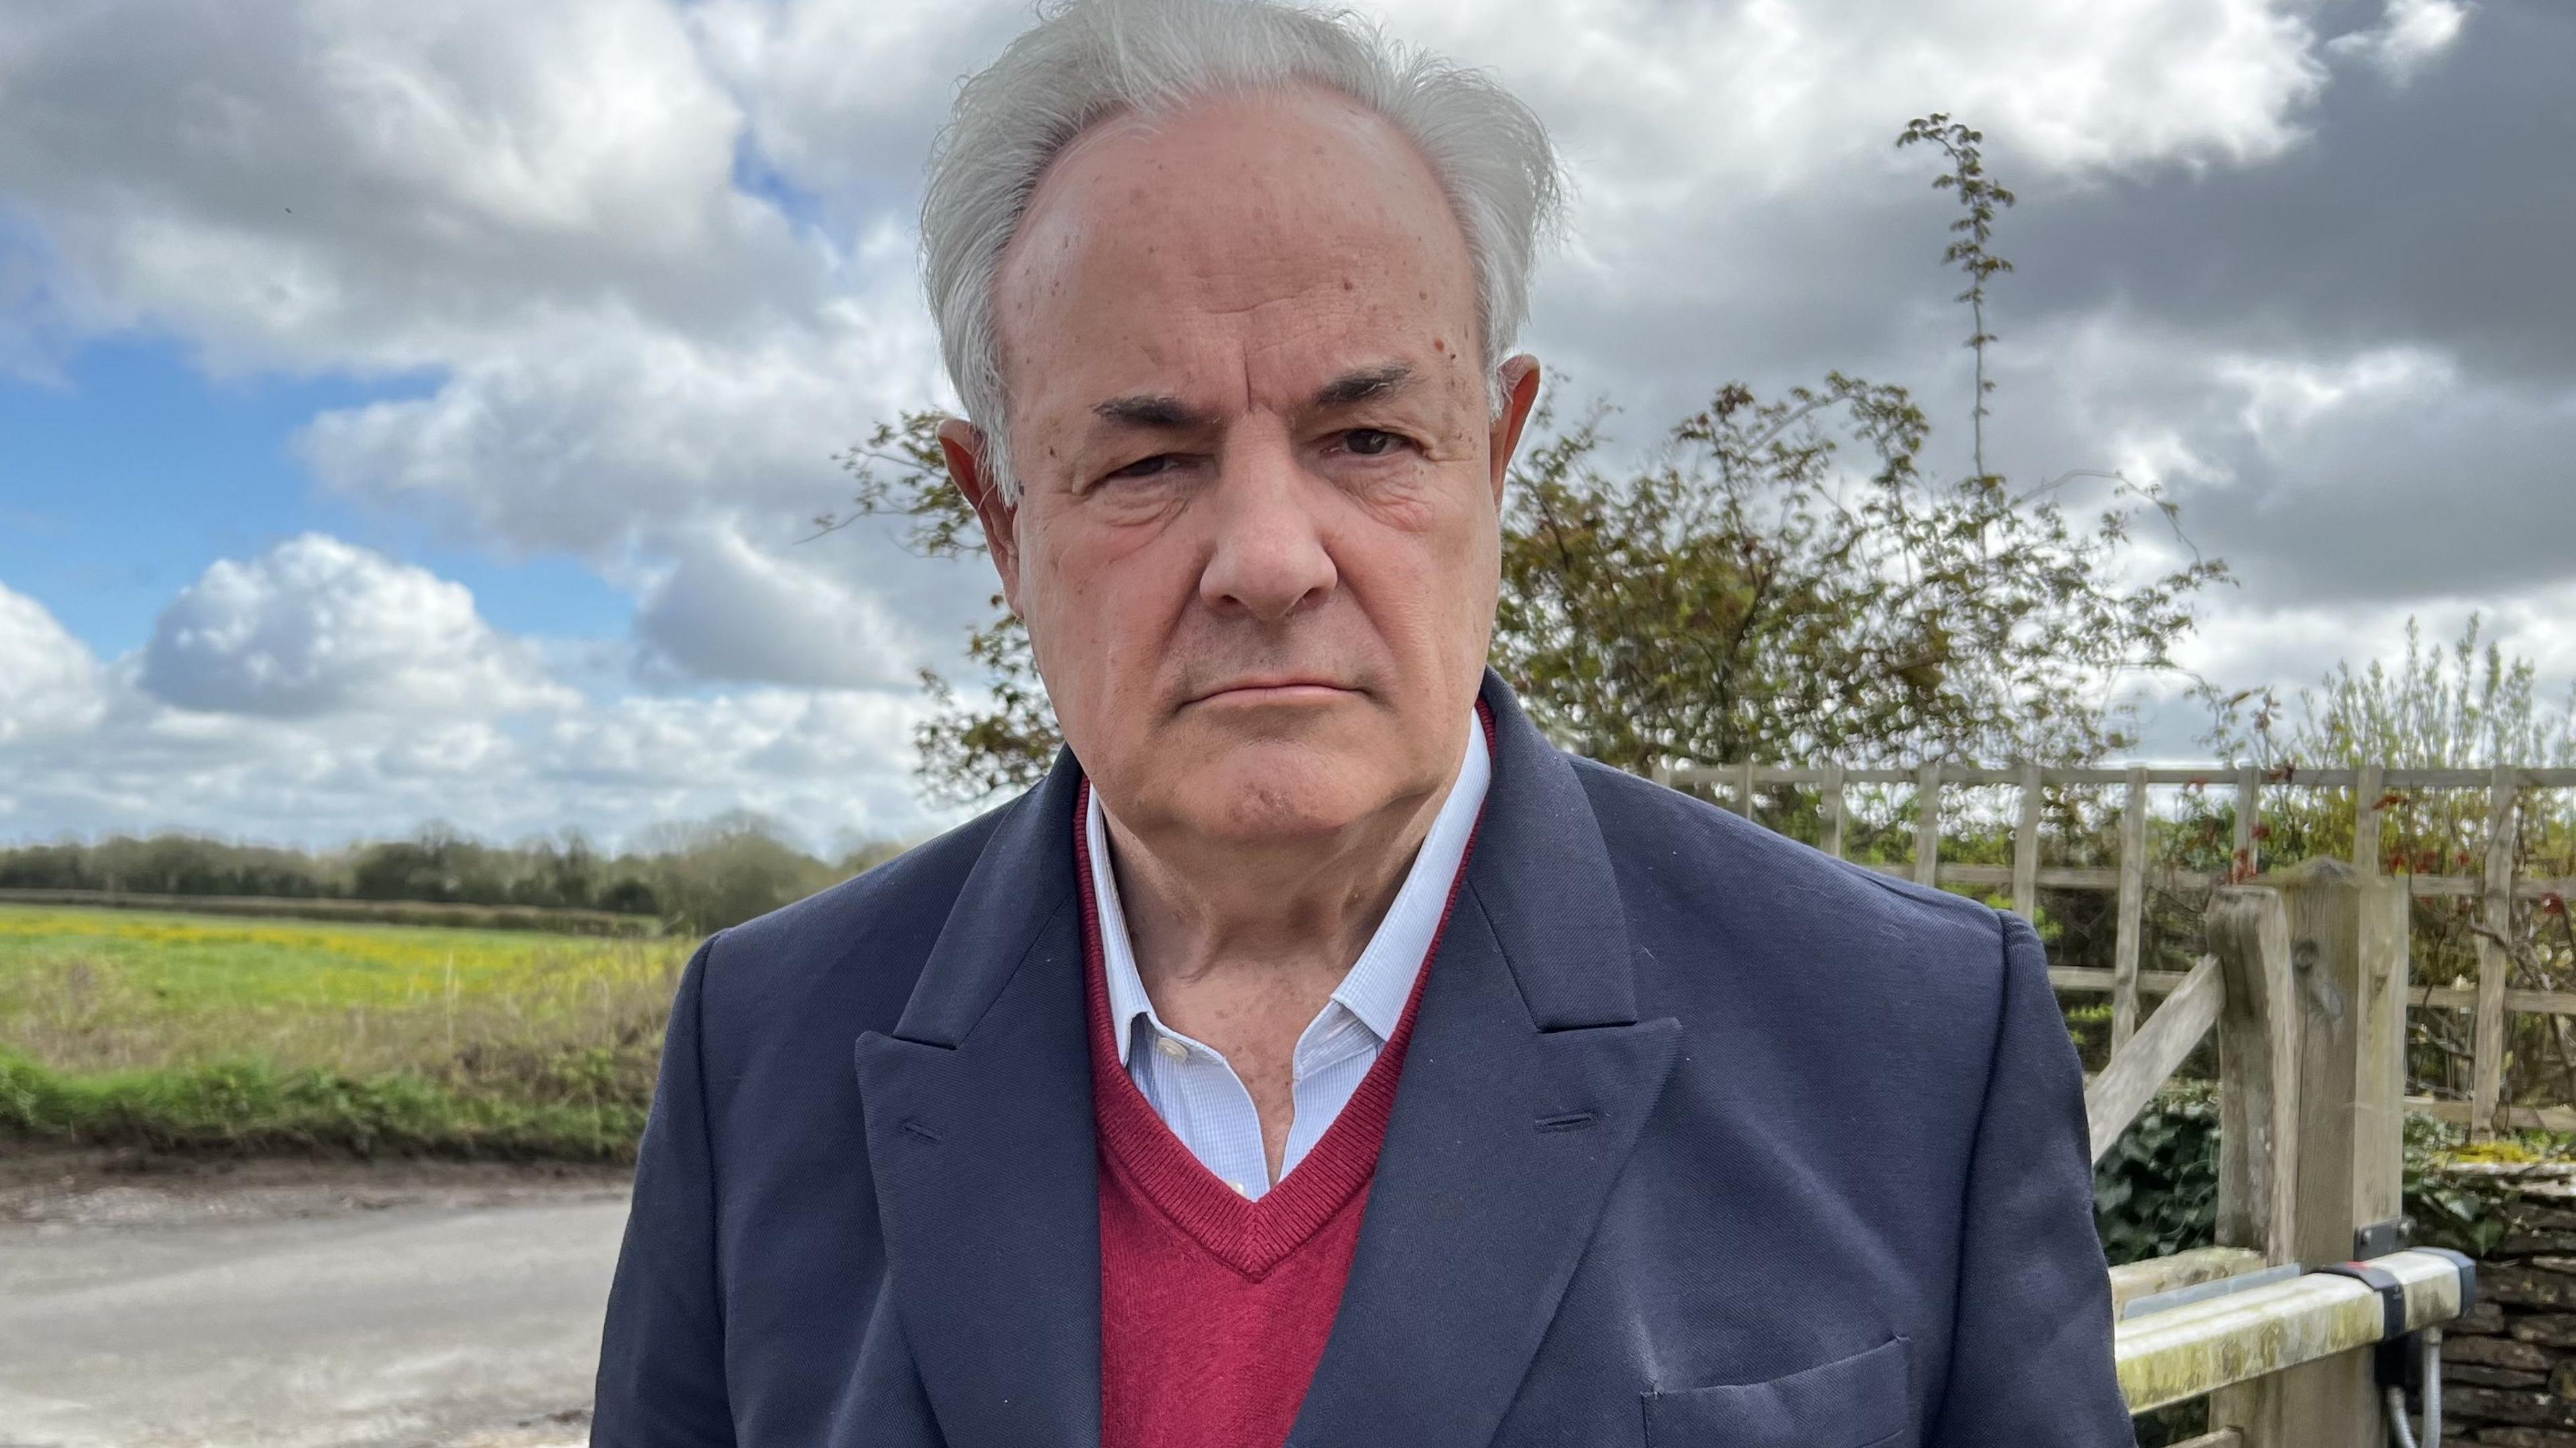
{"points": [[1265, 792]]}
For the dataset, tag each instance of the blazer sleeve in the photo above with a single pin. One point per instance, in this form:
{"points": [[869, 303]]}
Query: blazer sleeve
{"points": [[2030, 1355], [661, 1377]]}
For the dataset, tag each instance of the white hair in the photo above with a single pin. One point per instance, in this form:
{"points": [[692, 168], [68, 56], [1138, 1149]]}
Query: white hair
{"points": [[1087, 60]]}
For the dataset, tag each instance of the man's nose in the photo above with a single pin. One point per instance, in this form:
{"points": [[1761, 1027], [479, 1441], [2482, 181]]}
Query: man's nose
{"points": [[1269, 557]]}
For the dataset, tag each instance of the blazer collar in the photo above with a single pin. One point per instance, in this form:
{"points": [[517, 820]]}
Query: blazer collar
{"points": [[1542, 875], [977, 1115], [1021, 880]]}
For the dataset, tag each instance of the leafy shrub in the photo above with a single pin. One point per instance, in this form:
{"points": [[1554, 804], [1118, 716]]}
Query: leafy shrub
{"points": [[2157, 1191]]}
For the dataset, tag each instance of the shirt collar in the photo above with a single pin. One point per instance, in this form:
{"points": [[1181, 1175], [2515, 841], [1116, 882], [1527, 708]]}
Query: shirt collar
{"points": [[1381, 980]]}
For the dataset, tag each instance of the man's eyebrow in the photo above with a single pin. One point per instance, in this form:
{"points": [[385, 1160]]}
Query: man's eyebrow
{"points": [[1362, 385], [1164, 412], [1155, 410]]}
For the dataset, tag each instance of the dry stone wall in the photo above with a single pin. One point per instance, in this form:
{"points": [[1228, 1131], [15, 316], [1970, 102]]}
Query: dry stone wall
{"points": [[2509, 1367]]}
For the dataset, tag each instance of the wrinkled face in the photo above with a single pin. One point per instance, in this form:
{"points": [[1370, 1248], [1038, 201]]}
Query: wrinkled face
{"points": [[1256, 542]]}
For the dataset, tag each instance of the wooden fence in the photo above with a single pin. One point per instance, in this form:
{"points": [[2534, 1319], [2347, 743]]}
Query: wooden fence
{"points": [[2496, 887]]}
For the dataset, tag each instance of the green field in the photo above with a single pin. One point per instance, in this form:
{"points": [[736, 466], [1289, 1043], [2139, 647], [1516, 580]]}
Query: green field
{"points": [[200, 1032]]}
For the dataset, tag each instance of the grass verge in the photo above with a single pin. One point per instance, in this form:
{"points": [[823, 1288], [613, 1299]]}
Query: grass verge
{"points": [[203, 1034], [253, 1107]]}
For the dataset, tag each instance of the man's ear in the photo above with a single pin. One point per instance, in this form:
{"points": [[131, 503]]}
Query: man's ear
{"points": [[961, 445], [1519, 377]]}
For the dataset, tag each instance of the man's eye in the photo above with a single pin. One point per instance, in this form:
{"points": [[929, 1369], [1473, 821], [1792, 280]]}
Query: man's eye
{"points": [[1369, 442], [1145, 467]]}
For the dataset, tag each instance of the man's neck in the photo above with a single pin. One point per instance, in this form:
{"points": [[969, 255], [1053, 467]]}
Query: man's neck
{"points": [[1239, 948], [1271, 918], [1240, 944]]}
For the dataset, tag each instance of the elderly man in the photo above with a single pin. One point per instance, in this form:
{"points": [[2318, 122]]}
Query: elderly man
{"points": [[1318, 1056]]}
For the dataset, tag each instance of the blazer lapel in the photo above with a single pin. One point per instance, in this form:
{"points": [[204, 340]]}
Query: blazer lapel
{"points": [[1527, 1081], [979, 1135]]}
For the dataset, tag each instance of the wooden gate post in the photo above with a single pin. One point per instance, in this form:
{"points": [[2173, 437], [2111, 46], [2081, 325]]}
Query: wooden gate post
{"points": [[2495, 967], [2248, 930], [2342, 940], [1927, 825]]}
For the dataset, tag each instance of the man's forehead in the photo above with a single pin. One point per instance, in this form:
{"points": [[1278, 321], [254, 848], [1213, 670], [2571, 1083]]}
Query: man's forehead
{"points": [[1277, 222], [1247, 131]]}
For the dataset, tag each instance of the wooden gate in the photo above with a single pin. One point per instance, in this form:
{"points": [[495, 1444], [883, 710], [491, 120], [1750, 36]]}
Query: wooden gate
{"points": [[2305, 985]]}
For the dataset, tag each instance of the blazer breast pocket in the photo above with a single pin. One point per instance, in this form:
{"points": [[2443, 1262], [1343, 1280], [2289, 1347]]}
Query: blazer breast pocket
{"points": [[1861, 1401]]}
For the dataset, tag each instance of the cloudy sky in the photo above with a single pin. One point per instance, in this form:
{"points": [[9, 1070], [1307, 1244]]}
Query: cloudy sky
{"points": [[412, 411]]}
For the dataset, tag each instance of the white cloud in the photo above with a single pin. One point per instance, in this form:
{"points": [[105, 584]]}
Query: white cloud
{"points": [[49, 683], [595, 430], [2408, 36], [1740, 208], [360, 698], [791, 753], [726, 610], [843, 95], [532, 209], [528, 216], [328, 184], [2288, 397], [316, 626], [1766, 92], [829, 764], [2295, 646]]}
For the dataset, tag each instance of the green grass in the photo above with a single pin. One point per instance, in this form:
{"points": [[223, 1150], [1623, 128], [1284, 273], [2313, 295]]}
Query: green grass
{"points": [[189, 1032]]}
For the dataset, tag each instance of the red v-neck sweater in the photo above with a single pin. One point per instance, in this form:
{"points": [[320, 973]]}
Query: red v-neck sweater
{"points": [[1214, 1309]]}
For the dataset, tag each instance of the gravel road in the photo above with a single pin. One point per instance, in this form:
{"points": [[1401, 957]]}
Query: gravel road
{"points": [[296, 1305]]}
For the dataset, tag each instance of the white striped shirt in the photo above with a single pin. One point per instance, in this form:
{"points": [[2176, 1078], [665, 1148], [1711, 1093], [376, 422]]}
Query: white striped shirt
{"points": [[1193, 1088]]}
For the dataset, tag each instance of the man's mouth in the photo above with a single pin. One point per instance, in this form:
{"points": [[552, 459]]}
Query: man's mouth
{"points": [[1277, 691]]}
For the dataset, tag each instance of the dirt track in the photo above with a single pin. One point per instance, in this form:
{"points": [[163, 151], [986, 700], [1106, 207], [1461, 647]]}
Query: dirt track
{"points": [[299, 1304]]}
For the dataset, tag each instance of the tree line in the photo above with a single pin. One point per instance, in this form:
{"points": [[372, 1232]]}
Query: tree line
{"points": [[697, 876]]}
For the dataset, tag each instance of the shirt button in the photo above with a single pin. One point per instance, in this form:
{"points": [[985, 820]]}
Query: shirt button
{"points": [[1171, 1050], [1239, 1189]]}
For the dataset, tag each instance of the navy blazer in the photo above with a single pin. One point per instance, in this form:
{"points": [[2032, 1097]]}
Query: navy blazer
{"points": [[1704, 1137]]}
